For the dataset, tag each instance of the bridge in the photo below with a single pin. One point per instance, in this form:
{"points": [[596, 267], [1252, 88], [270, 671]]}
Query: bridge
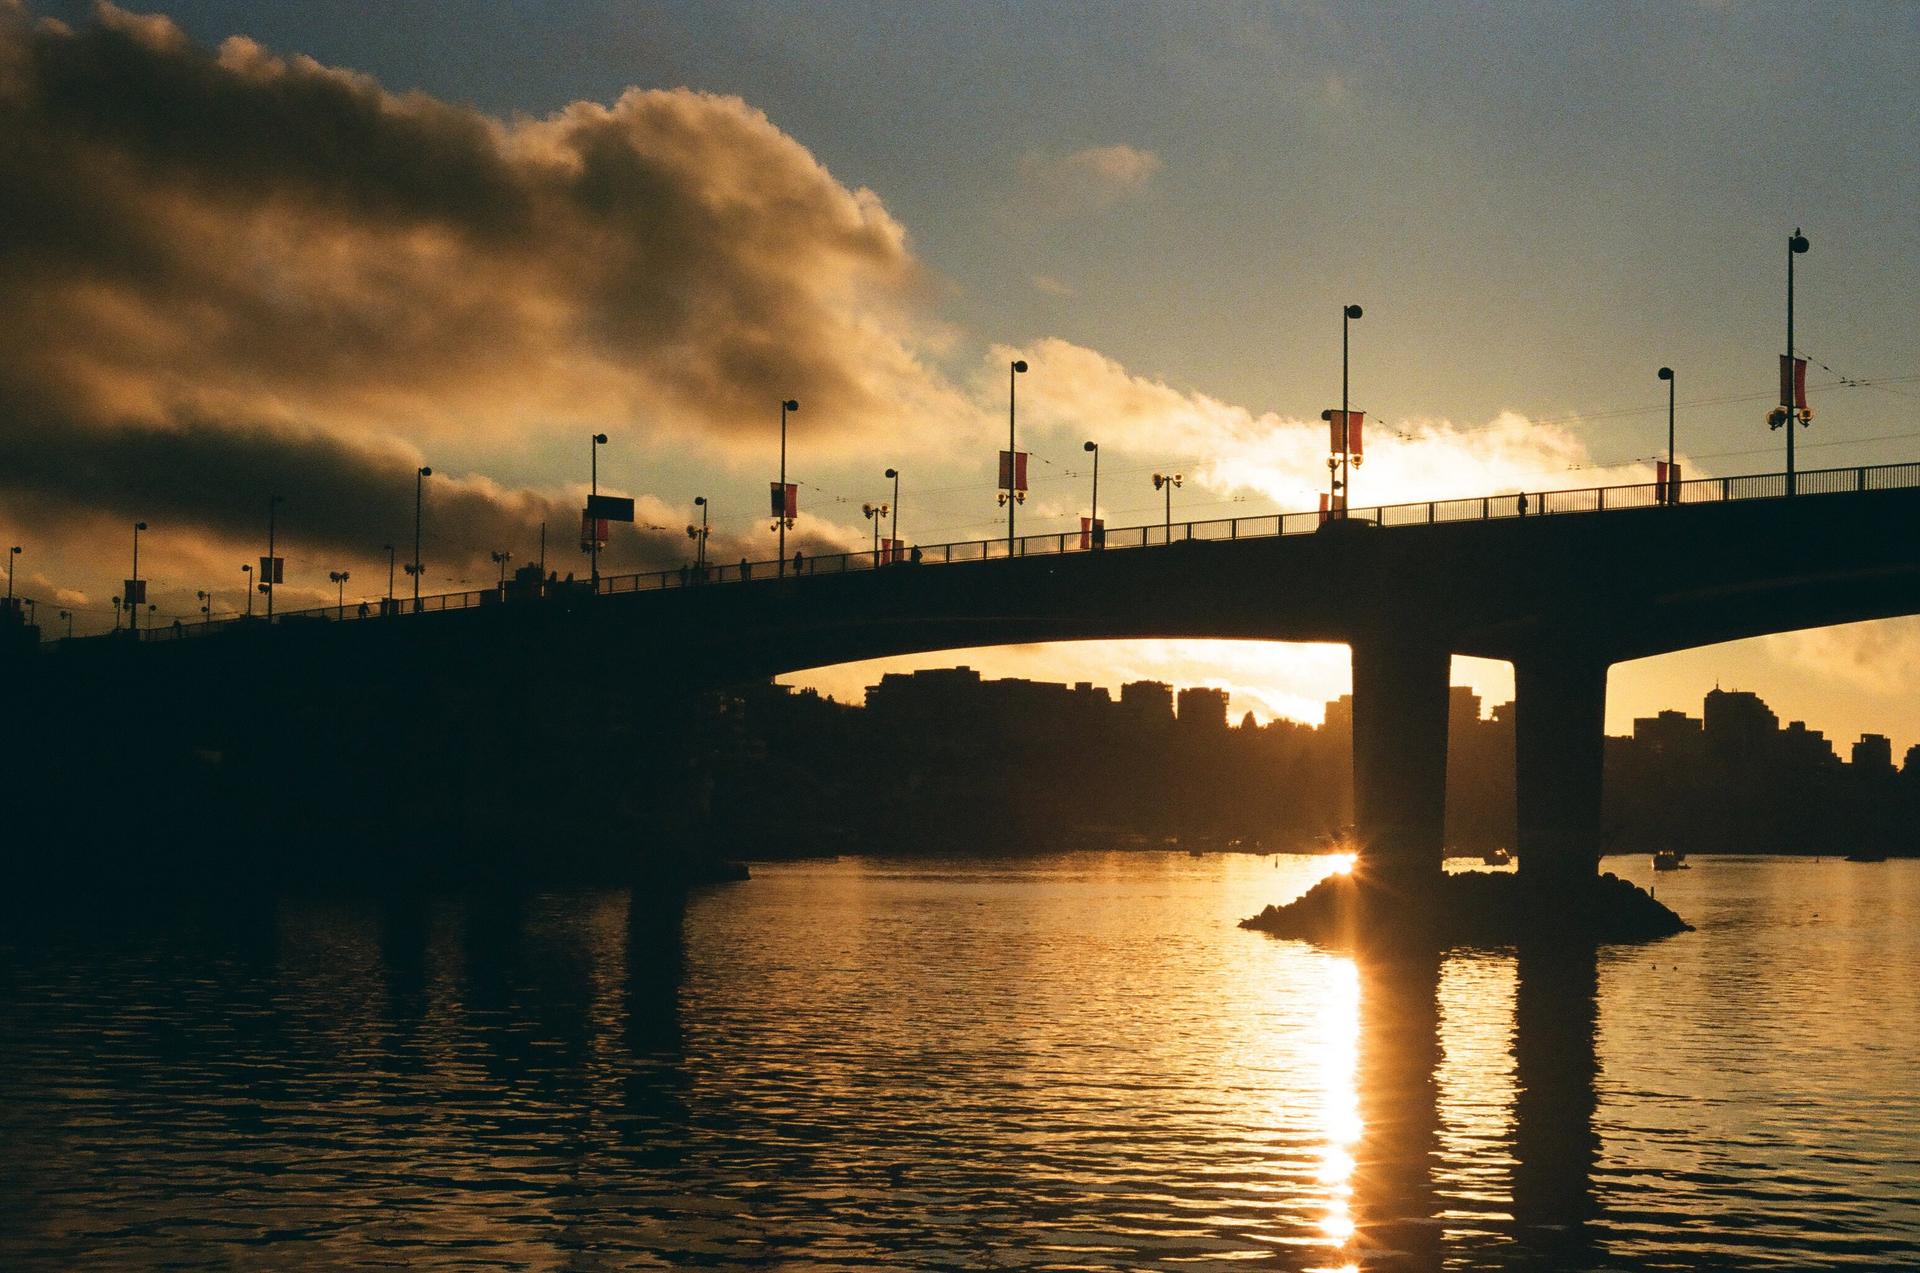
{"points": [[1562, 584]]}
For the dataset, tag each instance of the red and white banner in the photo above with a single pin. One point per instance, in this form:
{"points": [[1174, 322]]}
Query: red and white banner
{"points": [[133, 592], [1344, 434], [889, 551], [1793, 382], [593, 532], [1666, 479], [1013, 470], [783, 501], [1331, 505], [273, 570], [1093, 532]]}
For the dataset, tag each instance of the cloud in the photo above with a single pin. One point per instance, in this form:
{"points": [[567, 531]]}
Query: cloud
{"points": [[1052, 286], [1077, 392], [241, 236], [1088, 179]]}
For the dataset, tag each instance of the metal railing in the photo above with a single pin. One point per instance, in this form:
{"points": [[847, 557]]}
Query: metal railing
{"points": [[1595, 499]]}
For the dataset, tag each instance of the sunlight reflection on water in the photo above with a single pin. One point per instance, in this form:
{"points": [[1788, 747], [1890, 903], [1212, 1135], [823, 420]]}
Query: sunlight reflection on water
{"points": [[1071, 1062]]}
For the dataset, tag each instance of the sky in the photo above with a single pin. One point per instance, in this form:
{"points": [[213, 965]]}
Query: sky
{"points": [[304, 249]]}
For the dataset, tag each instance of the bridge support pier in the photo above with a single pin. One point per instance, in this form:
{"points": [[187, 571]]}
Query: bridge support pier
{"points": [[1559, 750], [1400, 757]]}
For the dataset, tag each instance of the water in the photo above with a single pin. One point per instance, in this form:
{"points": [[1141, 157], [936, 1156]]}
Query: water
{"points": [[1076, 1062]]}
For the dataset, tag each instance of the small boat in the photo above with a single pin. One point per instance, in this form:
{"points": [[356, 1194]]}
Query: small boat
{"points": [[1497, 857], [1670, 860], [1866, 857]]}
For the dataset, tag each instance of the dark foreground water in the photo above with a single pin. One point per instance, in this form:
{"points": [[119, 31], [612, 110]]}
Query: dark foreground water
{"points": [[1072, 1063]]}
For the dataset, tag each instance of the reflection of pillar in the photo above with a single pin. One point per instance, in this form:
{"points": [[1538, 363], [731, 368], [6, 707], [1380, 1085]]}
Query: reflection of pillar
{"points": [[1555, 1067], [1400, 756], [1560, 706], [654, 1083], [1398, 1097]]}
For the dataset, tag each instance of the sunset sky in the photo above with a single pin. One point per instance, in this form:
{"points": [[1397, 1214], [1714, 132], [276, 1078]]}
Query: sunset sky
{"points": [[302, 249]]}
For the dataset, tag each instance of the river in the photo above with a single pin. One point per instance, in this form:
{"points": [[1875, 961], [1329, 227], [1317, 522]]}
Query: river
{"points": [[1068, 1062]]}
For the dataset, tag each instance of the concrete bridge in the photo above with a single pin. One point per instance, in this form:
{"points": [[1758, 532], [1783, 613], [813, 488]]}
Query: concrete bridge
{"points": [[1562, 584]]}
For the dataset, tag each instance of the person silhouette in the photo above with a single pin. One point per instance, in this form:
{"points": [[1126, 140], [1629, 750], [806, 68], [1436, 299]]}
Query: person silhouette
{"points": [[796, 561], [1523, 503], [746, 569]]}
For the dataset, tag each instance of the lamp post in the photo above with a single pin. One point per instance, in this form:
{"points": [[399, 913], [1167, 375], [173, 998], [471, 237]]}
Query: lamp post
{"points": [[893, 530], [500, 559], [116, 614], [389, 605], [699, 536], [206, 607], [1094, 537], [420, 476], [1015, 369], [339, 580], [593, 540], [68, 616], [13, 568], [1796, 246], [273, 562], [1336, 504], [133, 601], [248, 572], [780, 519], [875, 513], [1666, 374], [1166, 482]]}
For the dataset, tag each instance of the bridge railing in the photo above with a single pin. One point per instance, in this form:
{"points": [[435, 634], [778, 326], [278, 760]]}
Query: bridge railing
{"points": [[1596, 499]]}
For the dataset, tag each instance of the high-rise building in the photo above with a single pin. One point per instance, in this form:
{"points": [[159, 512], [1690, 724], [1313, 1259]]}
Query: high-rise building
{"points": [[1147, 701], [1202, 707], [1873, 753]]}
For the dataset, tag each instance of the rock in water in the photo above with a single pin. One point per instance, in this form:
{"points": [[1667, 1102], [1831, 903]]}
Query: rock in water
{"points": [[1474, 908]]}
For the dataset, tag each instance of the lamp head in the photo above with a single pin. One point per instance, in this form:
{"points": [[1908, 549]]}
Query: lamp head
{"points": [[893, 473], [14, 549], [1353, 311], [1090, 446], [699, 501], [1019, 364], [246, 570], [139, 525], [425, 471], [599, 439], [1798, 243], [1666, 373], [791, 404]]}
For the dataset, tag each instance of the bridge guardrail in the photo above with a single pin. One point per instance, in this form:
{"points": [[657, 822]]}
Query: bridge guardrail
{"points": [[1594, 499]]}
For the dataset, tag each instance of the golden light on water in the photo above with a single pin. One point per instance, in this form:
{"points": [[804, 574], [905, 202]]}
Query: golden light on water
{"points": [[1340, 1107], [1343, 863]]}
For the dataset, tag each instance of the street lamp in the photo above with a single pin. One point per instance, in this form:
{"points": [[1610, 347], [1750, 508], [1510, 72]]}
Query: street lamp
{"points": [[339, 580], [1337, 464], [116, 614], [1015, 369], [68, 616], [780, 519], [875, 513], [13, 568], [389, 606], [1671, 486], [206, 606], [1791, 394], [893, 530], [135, 592], [593, 497], [420, 475], [248, 572], [1094, 536], [1166, 482], [699, 536], [271, 568], [500, 559]]}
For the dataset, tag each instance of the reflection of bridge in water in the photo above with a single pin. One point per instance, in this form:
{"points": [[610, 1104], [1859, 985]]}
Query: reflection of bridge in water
{"points": [[1577, 581]]}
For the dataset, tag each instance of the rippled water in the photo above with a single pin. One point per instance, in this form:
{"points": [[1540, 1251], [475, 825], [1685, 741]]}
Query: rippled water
{"points": [[1077, 1062]]}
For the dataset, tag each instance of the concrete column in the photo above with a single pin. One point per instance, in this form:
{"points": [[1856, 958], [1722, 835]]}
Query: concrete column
{"points": [[1400, 756], [1560, 704]]}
